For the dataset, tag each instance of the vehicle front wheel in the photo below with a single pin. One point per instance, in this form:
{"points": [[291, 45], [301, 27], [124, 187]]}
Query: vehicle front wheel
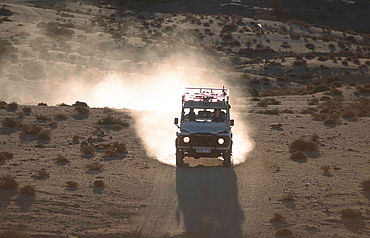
{"points": [[227, 159], [179, 158]]}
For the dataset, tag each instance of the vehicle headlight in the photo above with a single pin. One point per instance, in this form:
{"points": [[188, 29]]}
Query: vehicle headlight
{"points": [[186, 139], [221, 141]]}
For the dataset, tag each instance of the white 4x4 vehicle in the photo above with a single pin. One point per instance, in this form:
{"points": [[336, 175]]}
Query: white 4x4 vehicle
{"points": [[205, 125]]}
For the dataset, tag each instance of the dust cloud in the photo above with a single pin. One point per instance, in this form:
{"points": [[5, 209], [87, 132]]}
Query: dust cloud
{"points": [[153, 92]]}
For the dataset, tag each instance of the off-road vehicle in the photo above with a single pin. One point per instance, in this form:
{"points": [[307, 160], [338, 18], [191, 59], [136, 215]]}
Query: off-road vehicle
{"points": [[204, 129]]}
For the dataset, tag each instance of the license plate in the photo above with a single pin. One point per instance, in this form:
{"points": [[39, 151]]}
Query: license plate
{"points": [[203, 150]]}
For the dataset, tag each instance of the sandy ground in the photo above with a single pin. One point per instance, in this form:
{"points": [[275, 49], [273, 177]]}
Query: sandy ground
{"points": [[109, 57]]}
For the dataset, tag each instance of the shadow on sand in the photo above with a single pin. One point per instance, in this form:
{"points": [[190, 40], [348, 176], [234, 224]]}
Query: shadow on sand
{"points": [[208, 199]]}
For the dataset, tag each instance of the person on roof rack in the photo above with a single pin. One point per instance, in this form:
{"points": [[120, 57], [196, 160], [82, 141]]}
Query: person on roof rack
{"points": [[218, 116]]}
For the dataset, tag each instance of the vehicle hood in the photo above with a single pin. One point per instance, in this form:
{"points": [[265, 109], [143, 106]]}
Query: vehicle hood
{"points": [[204, 127]]}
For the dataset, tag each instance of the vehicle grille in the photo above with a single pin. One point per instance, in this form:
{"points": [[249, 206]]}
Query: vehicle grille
{"points": [[204, 140]]}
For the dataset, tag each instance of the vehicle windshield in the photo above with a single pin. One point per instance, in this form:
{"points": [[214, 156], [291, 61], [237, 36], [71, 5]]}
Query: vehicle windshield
{"points": [[204, 115]]}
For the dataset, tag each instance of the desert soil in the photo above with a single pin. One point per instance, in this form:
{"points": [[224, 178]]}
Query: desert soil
{"points": [[47, 48]]}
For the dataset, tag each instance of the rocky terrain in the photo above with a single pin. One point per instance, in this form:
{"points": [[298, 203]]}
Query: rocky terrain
{"points": [[88, 94]]}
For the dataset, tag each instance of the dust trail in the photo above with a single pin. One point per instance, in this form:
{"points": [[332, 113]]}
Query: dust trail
{"points": [[154, 94]]}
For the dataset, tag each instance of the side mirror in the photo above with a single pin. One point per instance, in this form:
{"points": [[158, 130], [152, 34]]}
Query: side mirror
{"points": [[232, 122], [176, 121]]}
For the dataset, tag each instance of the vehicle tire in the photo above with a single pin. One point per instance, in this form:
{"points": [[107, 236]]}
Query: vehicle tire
{"points": [[179, 158], [227, 159]]}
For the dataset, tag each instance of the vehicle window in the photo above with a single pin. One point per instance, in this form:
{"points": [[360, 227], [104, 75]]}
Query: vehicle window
{"points": [[204, 115]]}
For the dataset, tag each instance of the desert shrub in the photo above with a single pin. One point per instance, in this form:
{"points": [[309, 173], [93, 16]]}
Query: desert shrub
{"points": [[72, 184], [284, 232], [288, 197], [80, 104], [303, 145], [110, 120], [99, 183], [365, 185], [278, 218], [285, 45], [321, 88], [298, 155], [11, 122], [96, 165], [329, 121], [3, 104], [350, 213], [87, 149], [27, 110], [5, 155], [322, 58], [28, 189], [274, 111], [42, 174], [349, 114], [82, 110], [335, 92], [44, 134], [60, 117], [352, 84], [31, 129], [268, 101], [315, 137], [337, 84], [325, 168], [14, 234], [8, 182], [12, 106], [62, 159], [114, 149], [43, 118], [310, 46], [253, 92], [313, 101], [42, 104], [300, 62]]}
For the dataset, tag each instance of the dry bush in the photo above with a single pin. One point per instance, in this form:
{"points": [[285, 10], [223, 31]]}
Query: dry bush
{"points": [[72, 184], [365, 185], [303, 145], [278, 218], [284, 232], [298, 155], [27, 110], [42, 174], [60, 117], [11, 122], [285, 45], [12, 106], [329, 121], [62, 159], [3, 104], [82, 110], [28, 189], [34, 129], [110, 120], [99, 183], [94, 166], [274, 111], [14, 234], [350, 213], [325, 168], [8, 182], [288, 197], [43, 118], [87, 149]]}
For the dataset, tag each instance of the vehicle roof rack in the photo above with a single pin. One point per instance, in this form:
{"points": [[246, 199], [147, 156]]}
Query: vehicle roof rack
{"points": [[206, 94]]}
